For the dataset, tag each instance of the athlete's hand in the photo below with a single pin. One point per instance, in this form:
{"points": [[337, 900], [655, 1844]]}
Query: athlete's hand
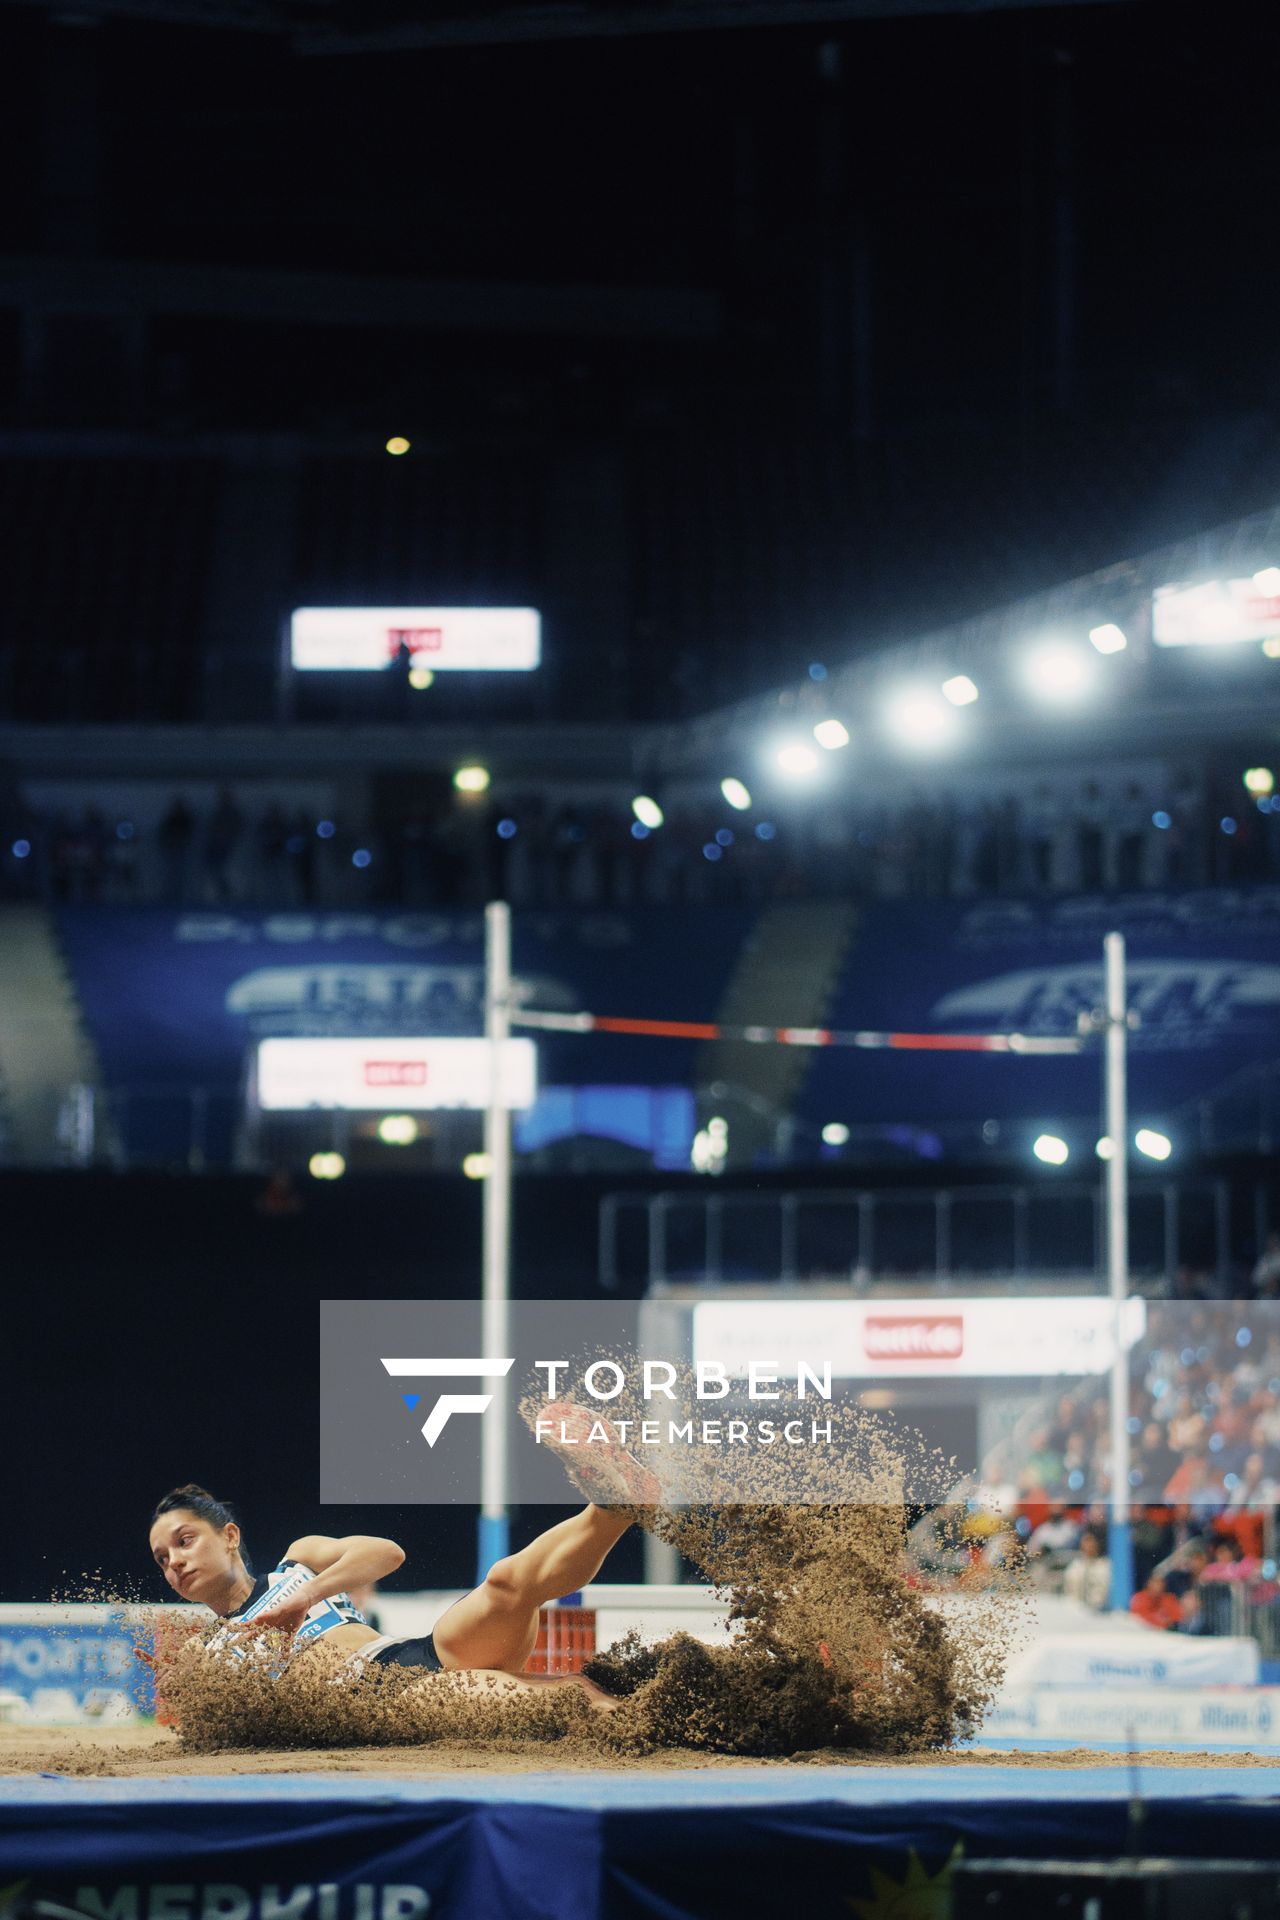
{"points": [[287, 1615]]}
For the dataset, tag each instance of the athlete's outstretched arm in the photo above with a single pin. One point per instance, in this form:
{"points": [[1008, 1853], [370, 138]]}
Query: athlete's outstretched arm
{"points": [[354, 1561]]}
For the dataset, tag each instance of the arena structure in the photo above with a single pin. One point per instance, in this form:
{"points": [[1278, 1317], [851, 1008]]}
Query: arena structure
{"points": [[638, 775]]}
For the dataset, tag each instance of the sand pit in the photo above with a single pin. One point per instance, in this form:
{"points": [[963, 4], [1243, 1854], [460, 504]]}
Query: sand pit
{"points": [[155, 1753]]}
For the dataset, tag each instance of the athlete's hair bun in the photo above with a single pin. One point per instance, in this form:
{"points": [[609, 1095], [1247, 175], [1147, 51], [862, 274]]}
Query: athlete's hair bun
{"points": [[197, 1500]]}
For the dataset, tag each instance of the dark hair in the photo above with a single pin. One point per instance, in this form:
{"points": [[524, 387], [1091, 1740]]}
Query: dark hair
{"points": [[198, 1500]]}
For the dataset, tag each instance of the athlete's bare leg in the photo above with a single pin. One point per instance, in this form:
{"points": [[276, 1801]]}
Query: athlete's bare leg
{"points": [[482, 1680], [495, 1626]]}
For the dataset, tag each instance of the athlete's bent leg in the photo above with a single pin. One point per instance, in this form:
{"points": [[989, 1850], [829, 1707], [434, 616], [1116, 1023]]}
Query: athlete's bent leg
{"points": [[496, 1626]]}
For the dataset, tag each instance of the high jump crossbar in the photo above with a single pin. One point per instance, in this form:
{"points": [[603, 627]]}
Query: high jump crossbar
{"points": [[1023, 1043]]}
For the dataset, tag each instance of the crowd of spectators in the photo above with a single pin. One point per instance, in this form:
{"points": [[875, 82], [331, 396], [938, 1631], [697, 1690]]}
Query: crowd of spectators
{"points": [[539, 849], [1204, 1476]]}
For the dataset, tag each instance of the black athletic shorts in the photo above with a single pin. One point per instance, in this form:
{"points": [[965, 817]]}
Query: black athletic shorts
{"points": [[410, 1653]]}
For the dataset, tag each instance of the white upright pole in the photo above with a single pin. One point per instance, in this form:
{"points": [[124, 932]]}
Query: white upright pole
{"points": [[493, 1538], [1117, 1164]]}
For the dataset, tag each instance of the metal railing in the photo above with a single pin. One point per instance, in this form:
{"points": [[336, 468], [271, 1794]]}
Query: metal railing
{"points": [[1250, 1607], [942, 1233]]}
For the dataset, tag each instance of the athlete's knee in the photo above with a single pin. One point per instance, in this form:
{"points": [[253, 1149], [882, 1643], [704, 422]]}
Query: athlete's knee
{"points": [[503, 1587]]}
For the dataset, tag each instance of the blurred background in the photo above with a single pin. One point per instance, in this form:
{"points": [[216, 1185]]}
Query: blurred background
{"points": [[796, 492]]}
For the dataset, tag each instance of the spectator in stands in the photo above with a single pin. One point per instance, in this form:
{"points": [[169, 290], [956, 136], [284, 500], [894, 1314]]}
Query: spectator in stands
{"points": [[1188, 1428], [1044, 1461], [1194, 1617], [1183, 1570], [269, 837], [1266, 1274], [1155, 1606], [1155, 1461], [300, 851], [1091, 821], [222, 841], [122, 862], [1228, 1562], [1055, 1537], [1133, 818], [1041, 821], [174, 836], [1088, 1573]]}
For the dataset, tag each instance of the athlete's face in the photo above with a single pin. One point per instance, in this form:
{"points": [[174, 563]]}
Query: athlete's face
{"points": [[198, 1560]]}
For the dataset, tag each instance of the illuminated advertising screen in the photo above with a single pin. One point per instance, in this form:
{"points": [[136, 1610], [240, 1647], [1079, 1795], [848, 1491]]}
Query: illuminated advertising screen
{"points": [[393, 1075], [1217, 613], [446, 639], [929, 1338]]}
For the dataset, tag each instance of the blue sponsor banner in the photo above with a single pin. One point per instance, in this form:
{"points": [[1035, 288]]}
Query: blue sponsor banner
{"points": [[180, 997], [80, 1667], [613, 1847], [1204, 986]]}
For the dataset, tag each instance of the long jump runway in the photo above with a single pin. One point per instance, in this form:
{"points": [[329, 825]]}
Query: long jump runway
{"points": [[811, 1840]]}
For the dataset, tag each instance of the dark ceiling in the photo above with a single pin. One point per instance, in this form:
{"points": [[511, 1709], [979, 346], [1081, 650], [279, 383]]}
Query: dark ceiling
{"points": [[347, 26]]}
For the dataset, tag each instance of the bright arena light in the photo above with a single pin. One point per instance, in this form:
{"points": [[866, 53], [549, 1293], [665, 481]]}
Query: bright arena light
{"points": [[1259, 780], [796, 760], [477, 1166], [835, 1134], [647, 812], [736, 794], [1104, 1148], [831, 734], [1108, 638], [1156, 1146], [420, 678], [398, 1130], [471, 779], [397, 444], [1268, 581], [1054, 1152], [326, 1166], [1058, 672], [1271, 647], [918, 718], [960, 690]]}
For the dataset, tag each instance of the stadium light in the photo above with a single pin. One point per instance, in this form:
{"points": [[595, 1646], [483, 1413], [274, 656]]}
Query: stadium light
{"points": [[835, 1134], [1104, 1148], [710, 1146], [1058, 672], [398, 1130], [796, 760], [1156, 1146], [918, 719], [471, 779], [326, 1166], [397, 444], [420, 678], [477, 1166], [960, 690], [1054, 1152], [647, 812], [831, 734], [1271, 647], [1259, 780], [1108, 638], [736, 794]]}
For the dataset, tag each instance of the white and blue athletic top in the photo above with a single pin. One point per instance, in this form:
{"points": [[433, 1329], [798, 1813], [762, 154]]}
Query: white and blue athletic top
{"points": [[339, 1610]]}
